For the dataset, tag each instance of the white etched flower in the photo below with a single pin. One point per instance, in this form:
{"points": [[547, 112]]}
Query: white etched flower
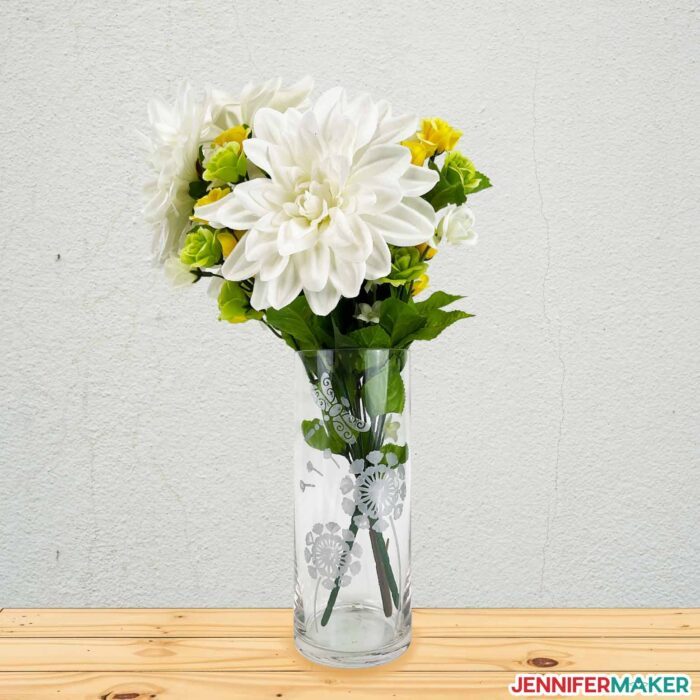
{"points": [[455, 226], [331, 554], [172, 149], [369, 313], [379, 490], [340, 190]]}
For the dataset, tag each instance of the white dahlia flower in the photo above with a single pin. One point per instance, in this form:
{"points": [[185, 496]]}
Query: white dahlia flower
{"points": [[177, 132], [230, 112], [172, 150], [341, 188], [455, 225]]}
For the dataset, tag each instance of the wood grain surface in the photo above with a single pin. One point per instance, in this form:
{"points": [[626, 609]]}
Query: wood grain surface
{"points": [[212, 654]]}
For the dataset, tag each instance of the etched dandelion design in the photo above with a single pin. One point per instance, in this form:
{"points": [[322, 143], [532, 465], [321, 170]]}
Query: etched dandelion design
{"points": [[331, 554], [378, 490], [338, 412]]}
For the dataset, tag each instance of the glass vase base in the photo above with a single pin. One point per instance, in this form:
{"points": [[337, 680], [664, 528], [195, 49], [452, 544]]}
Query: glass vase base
{"points": [[355, 637]]}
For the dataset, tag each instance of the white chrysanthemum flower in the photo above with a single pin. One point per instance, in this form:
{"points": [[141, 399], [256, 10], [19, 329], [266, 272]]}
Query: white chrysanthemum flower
{"points": [[340, 190], [177, 132], [455, 226], [173, 147]]}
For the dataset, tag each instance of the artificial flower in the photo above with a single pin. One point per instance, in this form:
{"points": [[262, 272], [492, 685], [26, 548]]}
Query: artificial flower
{"points": [[234, 304], [227, 241], [341, 189], [202, 248], [369, 313], [420, 151], [426, 251], [420, 285], [214, 195], [406, 266], [237, 133], [272, 94], [438, 134], [465, 170], [391, 429], [455, 226], [226, 164], [172, 149], [177, 273]]}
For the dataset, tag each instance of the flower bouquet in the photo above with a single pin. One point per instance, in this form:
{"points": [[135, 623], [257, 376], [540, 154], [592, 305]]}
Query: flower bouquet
{"points": [[319, 220]]}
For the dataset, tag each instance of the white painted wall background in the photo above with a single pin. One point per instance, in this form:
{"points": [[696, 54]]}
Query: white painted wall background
{"points": [[145, 447]]}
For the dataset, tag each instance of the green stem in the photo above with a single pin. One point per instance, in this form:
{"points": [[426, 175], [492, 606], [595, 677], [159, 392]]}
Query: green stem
{"points": [[381, 573], [336, 587], [382, 555]]}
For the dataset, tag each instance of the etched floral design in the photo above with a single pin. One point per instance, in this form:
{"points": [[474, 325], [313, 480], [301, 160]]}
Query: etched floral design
{"points": [[378, 491], [331, 554]]}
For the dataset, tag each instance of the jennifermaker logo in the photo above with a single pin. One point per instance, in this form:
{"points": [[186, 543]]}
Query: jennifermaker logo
{"points": [[592, 684]]}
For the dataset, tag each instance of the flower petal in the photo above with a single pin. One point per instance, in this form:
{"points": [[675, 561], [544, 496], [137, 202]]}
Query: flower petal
{"points": [[313, 266], [258, 152], [380, 164], [347, 276], [269, 125], [379, 261], [237, 266], [259, 244], [229, 211], [349, 237], [324, 301], [407, 224], [260, 299], [273, 266], [417, 181], [285, 288], [295, 236]]}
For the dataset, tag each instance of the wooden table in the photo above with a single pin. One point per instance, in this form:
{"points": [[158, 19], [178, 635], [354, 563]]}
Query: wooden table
{"points": [[241, 654]]}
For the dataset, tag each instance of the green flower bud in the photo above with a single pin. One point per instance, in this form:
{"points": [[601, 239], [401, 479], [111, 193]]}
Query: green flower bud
{"points": [[234, 304], [202, 248], [406, 266], [227, 164]]}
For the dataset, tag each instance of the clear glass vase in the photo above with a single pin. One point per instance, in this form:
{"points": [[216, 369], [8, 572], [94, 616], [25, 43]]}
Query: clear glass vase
{"points": [[352, 507]]}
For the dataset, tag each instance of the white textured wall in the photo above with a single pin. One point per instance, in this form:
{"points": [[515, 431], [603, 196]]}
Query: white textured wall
{"points": [[145, 448]]}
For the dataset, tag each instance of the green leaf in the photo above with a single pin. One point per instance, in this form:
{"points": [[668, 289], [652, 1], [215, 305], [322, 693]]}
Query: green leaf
{"points": [[481, 182], [436, 301], [296, 320], [316, 436], [449, 189], [400, 320], [370, 337], [436, 322], [401, 452], [384, 391], [198, 189]]}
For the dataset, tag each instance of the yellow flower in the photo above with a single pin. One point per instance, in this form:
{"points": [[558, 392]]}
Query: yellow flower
{"points": [[438, 134], [426, 251], [420, 284], [213, 196], [228, 242], [419, 151], [236, 133]]}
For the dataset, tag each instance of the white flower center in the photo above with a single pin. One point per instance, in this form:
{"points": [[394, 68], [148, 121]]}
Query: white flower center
{"points": [[313, 202]]}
